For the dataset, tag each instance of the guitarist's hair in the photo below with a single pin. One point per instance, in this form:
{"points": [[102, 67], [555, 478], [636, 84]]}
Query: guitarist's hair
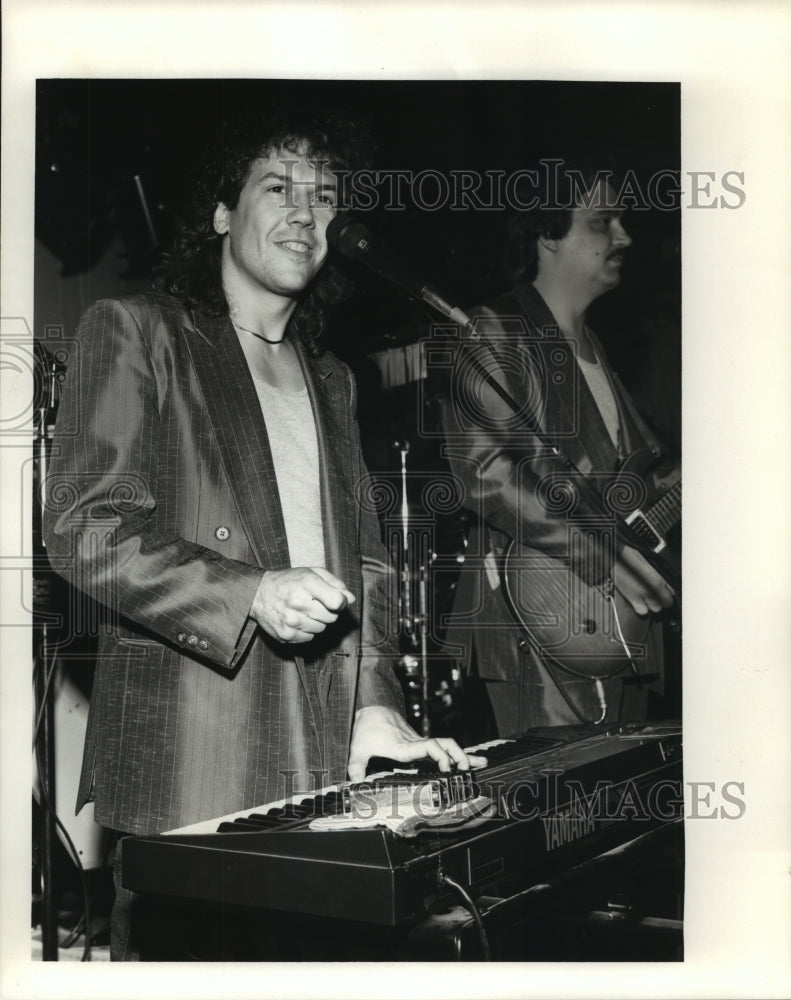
{"points": [[562, 185]]}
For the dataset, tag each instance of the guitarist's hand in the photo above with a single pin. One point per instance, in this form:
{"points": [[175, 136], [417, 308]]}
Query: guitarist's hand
{"points": [[642, 586]]}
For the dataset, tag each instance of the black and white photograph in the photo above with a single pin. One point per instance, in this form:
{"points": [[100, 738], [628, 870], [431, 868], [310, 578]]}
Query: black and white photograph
{"points": [[360, 630]]}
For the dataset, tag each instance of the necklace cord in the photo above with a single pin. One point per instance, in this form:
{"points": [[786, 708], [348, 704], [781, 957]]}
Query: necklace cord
{"points": [[259, 335]]}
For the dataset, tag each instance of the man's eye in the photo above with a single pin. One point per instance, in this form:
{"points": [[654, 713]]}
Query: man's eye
{"points": [[276, 188], [326, 200]]}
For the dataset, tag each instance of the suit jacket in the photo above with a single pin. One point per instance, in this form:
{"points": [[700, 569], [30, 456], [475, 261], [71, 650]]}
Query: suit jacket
{"points": [[163, 505], [513, 481], [517, 488]]}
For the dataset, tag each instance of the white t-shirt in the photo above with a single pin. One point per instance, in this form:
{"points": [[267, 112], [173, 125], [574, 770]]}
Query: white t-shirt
{"points": [[291, 430], [603, 396]]}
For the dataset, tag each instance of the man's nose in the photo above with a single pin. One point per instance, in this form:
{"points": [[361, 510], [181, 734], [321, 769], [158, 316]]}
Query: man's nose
{"points": [[301, 209], [620, 236]]}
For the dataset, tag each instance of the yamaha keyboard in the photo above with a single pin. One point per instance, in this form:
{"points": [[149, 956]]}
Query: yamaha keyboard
{"points": [[562, 797]]}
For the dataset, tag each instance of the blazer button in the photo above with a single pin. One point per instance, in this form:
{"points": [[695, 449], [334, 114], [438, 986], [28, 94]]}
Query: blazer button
{"points": [[222, 533], [203, 644], [192, 640], [181, 637]]}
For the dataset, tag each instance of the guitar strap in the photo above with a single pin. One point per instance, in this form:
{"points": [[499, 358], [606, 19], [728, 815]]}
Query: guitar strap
{"points": [[581, 482]]}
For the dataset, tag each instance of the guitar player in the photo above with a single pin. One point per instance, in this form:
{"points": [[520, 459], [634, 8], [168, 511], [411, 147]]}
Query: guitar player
{"points": [[546, 477]]}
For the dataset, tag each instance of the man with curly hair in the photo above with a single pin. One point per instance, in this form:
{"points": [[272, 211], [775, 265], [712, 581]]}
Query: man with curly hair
{"points": [[210, 462]]}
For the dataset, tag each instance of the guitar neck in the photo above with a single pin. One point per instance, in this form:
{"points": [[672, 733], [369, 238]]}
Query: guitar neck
{"points": [[666, 512]]}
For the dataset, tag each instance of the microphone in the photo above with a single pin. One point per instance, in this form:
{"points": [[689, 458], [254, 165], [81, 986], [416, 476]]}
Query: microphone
{"points": [[354, 239]]}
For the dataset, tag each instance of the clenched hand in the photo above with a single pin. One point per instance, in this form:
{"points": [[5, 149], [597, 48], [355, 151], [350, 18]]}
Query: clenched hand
{"points": [[294, 605]]}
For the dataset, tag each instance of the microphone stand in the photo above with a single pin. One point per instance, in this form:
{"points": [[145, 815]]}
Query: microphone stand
{"points": [[406, 569], [45, 711], [414, 627], [423, 626]]}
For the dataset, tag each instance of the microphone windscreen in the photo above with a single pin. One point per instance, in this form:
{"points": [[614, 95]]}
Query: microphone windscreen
{"points": [[349, 236]]}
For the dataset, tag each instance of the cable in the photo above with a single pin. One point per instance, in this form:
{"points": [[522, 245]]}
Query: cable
{"points": [[551, 663], [72, 850], [474, 912], [621, 637], [562, 692], [601, 695], [47, 684], [73, 934], [525, 628]]}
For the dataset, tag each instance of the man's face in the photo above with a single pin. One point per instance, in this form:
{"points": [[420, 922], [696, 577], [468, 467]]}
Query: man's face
{"points": [[276, 236], [591, 253]]}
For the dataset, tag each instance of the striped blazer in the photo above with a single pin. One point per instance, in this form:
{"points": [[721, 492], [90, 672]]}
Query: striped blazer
{"points": [[162, 505]]}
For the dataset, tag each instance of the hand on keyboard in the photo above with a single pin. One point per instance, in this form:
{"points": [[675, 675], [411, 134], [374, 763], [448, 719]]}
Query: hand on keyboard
{"points": [[381, 732]]}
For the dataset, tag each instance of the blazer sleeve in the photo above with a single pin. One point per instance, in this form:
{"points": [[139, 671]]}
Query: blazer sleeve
{"points": [[513, 483], [99, 521], [379, 649]]}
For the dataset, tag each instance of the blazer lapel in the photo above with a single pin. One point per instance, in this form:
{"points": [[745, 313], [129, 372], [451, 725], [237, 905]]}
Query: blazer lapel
{"points": [[235, 413], [574, 408], [332, 436]]}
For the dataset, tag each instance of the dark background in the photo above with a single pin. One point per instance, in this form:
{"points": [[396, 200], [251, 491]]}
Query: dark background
{"points": [[95, 136], [101, 142]]}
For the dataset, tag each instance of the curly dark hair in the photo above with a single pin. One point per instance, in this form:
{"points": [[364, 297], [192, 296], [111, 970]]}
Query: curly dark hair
{"points": [[552, 201], [191, 269]]}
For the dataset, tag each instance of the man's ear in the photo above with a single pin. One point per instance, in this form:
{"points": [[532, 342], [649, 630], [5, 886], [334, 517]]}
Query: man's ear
{"points": [[221, 219], [550, 245]]}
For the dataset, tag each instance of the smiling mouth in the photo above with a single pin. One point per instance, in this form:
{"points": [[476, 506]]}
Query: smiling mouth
{"points": [[295, 247]]}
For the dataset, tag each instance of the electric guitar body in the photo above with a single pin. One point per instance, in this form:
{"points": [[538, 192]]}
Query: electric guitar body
{"points": [[592, 631]]}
